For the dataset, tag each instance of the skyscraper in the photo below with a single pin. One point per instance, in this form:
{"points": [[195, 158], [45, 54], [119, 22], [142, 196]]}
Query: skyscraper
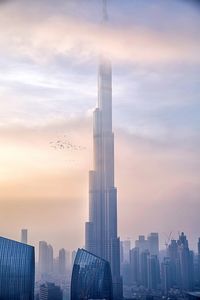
{"points": [[198, 262], [172, 253], [185, 264], [62, 262], [153, 243], [135, 265], [126, 251], [17, 270], [166, 275], [144, 259], [24, 236], [45, 259], [101, 230], [153, 272], [91, 277]]}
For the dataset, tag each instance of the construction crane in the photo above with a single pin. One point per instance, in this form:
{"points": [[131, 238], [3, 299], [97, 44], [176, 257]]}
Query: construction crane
{"points": [[167, 241]]}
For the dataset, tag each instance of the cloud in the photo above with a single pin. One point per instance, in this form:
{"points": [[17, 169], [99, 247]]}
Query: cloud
{"points": [[152, 176], [42, 36], [4, 1], [157, 178], [158, 185]]}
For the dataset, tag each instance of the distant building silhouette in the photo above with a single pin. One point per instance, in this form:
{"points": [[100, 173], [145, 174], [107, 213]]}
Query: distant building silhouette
{"points": [[198, 268], [73, 257], [45, 259], [166, 275], [17, 270], [62, 262], [144, 262], [141, 243], [178, 267], [24, 236], [125, 247], [172, 253], [135, 266], [49, 291], [153, 243], [126, 251], [185, 264], [91, 277], [144, 257], [153, 272]]}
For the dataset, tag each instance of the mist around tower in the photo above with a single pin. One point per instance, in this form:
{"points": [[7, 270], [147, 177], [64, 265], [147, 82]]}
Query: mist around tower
{"points": [[99, 150]]}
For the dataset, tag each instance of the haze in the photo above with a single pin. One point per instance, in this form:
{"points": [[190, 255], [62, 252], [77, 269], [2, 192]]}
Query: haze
{"points": [[48, 89]]}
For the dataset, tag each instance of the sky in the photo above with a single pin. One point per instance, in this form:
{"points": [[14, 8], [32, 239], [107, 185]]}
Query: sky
{"points": [[49, 54]]}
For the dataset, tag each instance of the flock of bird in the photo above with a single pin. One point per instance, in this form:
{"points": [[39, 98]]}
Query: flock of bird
{"points": [[64, 144]]}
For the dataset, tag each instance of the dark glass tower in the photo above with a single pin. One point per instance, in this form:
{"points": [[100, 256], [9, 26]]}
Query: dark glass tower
{"points": [[91, 277], [101, 230], [17, 270]]}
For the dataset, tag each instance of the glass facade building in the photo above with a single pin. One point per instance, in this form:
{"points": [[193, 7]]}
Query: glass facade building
{"points": [[91, 277], [17, 270]]}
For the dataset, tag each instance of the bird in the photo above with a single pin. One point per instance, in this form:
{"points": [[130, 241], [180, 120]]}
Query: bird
{"points": [[62, 144]]}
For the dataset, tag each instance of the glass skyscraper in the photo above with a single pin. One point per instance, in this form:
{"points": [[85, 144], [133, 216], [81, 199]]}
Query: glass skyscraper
{"points": [[101, 230], [17, 270], [91, 277]]}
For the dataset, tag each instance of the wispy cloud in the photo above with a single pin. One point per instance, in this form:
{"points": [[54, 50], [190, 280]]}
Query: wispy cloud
{"points": [[44, 36]]}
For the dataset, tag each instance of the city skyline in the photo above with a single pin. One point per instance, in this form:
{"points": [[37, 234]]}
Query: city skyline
{"points": [[145, 270], [48, 95]]}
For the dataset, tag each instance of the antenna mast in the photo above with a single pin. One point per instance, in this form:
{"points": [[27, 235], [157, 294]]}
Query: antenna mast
{"points": [[105, 12]]}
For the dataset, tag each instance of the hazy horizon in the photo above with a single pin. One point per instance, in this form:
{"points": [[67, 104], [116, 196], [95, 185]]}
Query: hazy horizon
{"points": [[48, 91]]}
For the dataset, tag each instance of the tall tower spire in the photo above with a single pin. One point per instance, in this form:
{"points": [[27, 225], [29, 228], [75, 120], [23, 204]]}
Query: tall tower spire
{"points": [[105, 11], [101, 237]]}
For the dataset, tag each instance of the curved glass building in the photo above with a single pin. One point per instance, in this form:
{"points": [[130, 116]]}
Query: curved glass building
{"points": [[91, 277], [17, 270]]}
